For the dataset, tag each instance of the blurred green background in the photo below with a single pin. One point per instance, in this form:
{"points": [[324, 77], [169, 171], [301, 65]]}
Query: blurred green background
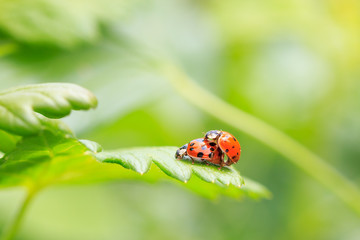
{"points": [[293, 63]]}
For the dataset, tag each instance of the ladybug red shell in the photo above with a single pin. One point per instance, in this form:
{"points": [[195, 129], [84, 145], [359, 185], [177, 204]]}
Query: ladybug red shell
{"points": [[199, 151], [227, 143]]}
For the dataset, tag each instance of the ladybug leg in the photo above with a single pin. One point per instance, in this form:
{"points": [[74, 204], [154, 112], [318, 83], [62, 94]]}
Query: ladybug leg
{"points": [[222, 163], [204, 161], [221, 166], [229, 162]]}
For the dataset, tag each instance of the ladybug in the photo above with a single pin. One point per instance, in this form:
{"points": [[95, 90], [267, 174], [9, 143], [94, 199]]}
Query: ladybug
{"points": [[198, 151], [227, 143]]}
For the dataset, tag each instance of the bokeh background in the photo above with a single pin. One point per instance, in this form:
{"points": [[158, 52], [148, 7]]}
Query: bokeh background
{"points": [[292, 63]]}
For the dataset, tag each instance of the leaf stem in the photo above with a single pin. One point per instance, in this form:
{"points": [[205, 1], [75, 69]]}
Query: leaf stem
{"points": [[267, 134], [11, 230]]}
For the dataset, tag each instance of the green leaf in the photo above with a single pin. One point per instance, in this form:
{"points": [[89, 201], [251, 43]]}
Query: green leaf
{"points": [[57, 22], [255, 190], [56, 158], [7, 141], [140, 160], [43, 159], [92, 146], [21, 108], [195, 177]]}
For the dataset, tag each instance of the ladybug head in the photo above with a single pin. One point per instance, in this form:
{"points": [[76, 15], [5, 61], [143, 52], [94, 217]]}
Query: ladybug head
{"points": [[212, 135], [181, 152]]}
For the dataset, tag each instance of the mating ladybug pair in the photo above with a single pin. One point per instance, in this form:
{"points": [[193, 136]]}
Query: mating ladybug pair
{"points": [[212, 149]]}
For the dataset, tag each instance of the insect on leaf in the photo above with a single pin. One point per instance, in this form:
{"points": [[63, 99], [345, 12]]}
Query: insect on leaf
{"points": [[206, 180], [51, 157], [140, 160]]}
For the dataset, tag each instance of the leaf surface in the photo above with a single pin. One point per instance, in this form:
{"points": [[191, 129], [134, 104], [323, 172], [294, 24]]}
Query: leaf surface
{"points": [[58, 158], [195, 177], [7, 141], [43, 159], [140, 159], [57, 22], [22, 109]]}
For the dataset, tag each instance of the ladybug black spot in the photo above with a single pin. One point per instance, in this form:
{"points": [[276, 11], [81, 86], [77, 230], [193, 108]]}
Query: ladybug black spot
{"points": [[192, 144], [212, 149], [191, 149], [212, 144], [200, 154], [227, 150], [237, 153], [234, 139], [233, 157], [203, 147], [232, 146]]}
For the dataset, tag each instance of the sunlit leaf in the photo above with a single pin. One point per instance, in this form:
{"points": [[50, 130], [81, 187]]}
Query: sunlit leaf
{"points": [[22, 109], [49, 153], [56, 158], [92, 146], [43, 159], [203, 179], [140, 160]]}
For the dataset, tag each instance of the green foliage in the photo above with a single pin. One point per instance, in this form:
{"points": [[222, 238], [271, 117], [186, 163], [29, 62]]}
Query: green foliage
{"points": [[49, 154], [60, 23], [279, 141], [43, 159], [227, 181], [140, 160], [259, 56], [50, 158], [20, 107], [8, 141]]}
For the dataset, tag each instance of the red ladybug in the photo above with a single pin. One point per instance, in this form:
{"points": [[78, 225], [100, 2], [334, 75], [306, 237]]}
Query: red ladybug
{"points": [[197, 150], [227, 143]]}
